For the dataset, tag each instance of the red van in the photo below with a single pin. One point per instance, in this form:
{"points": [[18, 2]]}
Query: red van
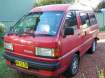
{"points": [[50, 40]]}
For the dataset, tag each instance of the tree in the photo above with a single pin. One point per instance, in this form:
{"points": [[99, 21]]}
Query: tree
{"points": [[48, 2], [69, 1], [101, 5]]}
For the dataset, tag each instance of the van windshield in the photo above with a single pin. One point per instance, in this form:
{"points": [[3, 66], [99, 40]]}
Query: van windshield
{"points": [[39, 23]]}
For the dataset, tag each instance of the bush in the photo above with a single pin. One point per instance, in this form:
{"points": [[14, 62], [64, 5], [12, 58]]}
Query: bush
{"points": [[2, 30], [48, 2], [101, 5]]}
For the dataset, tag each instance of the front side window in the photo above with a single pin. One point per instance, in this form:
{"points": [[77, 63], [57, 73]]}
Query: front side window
{"points": [[71, 20], [39, 23], [70, 24]]}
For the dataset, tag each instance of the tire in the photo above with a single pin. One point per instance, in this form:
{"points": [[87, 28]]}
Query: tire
{"points": [[74, 66], [93, 47]]}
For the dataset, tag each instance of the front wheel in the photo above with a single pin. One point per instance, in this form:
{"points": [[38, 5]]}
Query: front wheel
{"points": [[74, 66]]}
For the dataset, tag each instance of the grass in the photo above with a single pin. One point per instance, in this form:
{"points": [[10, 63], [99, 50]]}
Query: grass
{"points": [[5, 71]]}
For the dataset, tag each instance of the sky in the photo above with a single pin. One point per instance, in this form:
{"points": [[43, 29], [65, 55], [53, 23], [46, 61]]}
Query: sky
{"points": [[91, 3]]}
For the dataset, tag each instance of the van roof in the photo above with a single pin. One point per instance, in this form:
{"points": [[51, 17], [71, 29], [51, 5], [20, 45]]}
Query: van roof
{"points": [[55, 7], [61, 7]]}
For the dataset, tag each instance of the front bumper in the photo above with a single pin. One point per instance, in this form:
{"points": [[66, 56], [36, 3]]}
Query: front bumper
{"points": [[32, 64]]}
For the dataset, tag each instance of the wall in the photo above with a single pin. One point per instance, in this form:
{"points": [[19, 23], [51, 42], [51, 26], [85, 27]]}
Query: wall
{"points": [[101, 19], [12, 10]]}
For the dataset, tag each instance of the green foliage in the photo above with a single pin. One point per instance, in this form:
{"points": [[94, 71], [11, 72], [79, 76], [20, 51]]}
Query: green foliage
{"points": [[2, 29], [69, 1], [48, 2], [101, 5]]}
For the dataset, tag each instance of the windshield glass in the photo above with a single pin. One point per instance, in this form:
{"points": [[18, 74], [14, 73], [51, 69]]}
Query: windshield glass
{"points": [[40, 23]]}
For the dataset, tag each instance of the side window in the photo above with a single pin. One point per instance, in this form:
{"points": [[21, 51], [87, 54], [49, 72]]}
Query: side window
{"points": [[70, 20], [93, 20], [84, 19]]}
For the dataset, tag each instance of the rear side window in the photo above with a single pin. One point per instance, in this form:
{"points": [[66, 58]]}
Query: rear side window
{"points": [[84, 19], [93, 20]]}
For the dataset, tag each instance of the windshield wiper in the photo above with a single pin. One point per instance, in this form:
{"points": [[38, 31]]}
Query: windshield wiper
{"points": [[27, 34], [44, 35]]}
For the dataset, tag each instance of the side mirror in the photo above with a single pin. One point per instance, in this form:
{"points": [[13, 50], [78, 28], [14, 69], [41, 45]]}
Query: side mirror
{"points": [[68, 31]]}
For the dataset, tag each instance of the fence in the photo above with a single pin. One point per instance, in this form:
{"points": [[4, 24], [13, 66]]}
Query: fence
{"points": [[101, 20]]}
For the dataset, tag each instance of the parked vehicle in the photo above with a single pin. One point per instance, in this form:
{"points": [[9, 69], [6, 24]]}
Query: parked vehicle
{"points": [[50, 40]]}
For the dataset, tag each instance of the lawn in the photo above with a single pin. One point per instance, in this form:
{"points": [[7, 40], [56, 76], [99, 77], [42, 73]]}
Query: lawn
{"points": [[5, 71]]}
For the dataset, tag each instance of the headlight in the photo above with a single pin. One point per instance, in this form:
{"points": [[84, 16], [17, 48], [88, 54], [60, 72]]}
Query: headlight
{"points": [[8, 46], [44, 52]]}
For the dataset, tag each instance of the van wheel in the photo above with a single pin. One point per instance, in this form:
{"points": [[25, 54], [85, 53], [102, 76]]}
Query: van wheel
{"points": [[74, 66], [93, 47]]}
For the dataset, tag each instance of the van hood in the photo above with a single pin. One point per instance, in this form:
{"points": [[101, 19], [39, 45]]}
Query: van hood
{"points": [[49, 42]]}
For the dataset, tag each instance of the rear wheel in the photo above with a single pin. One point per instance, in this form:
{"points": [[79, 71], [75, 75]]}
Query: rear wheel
{"points": [[74, 66], [93, 47]]}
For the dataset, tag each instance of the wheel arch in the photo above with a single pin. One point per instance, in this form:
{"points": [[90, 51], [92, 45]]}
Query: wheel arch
{"points": [[78, 53]]}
